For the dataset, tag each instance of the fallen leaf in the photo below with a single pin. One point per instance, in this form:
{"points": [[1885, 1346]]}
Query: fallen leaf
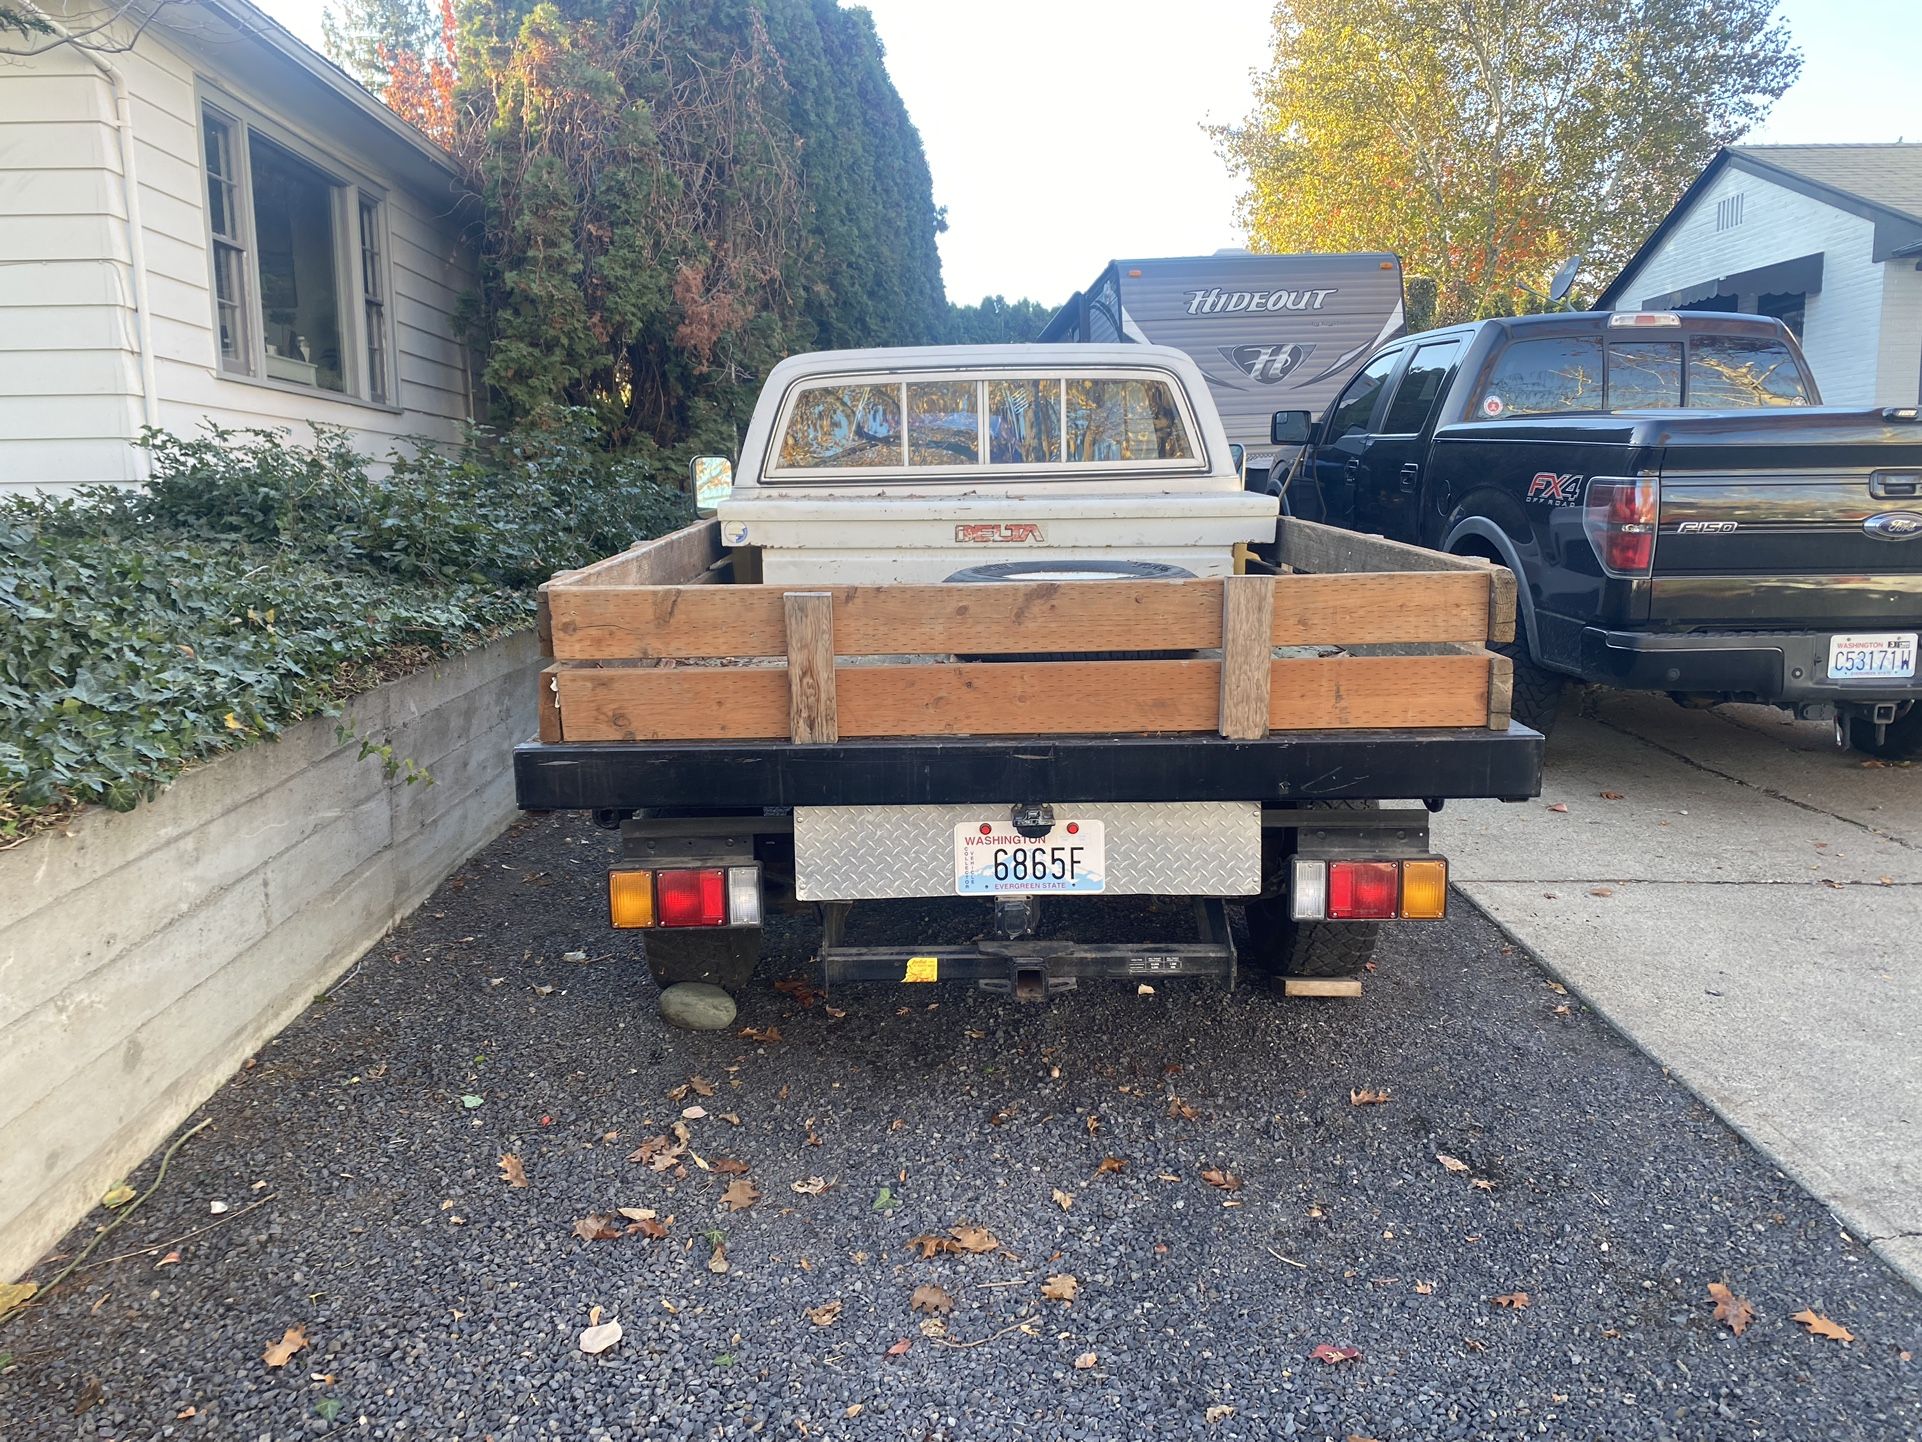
{"points": [[838, 1015], [693, 1114], [1085, 1361], [1482, 1184], [825, 1315], [185, 1412], [1601, 891], [812, 1187], [930, 1298], [1516, 1300], [1110, 1164], [1820, 1326], [596, 1227], [728, 1167], [1060, 1287], [172, 1259], [1181, 1110], [765, 1035], [470, 1101], [930, 1246], [717, 1263], [1331, 1355], [853, 1410], [279, 1354], [1220, 1412], [799, 989], [1367, 1097], [14, 1295], [596, 1340], [1611, 796], [1453, 1164], [511, 1170], [885, 1200], [1062, 1199], [1424, 1289], [1094, 1124], [217, 1208], [1215, 1177], [1559, 806], [118, 1196], [1738, 1312], [974, 1239], [1143, 989], [900, 1347], [740, 1195]]}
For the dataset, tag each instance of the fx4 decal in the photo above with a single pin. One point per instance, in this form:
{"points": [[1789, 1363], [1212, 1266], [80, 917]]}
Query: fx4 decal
{"points": [[1553, 490], [1000, 533]]}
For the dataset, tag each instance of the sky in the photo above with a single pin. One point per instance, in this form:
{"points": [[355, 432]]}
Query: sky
{"points": [[1004, 92]]}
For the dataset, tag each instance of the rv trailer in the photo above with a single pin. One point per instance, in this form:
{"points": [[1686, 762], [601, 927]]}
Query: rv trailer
{"points": [[1270, 332]]}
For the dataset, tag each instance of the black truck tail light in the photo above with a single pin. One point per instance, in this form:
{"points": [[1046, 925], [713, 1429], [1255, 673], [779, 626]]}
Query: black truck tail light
{"points": [[1620, 517]]}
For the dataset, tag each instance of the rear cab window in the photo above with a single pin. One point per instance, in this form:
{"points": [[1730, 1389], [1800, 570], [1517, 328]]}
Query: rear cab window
{"points": [[1735, 372], [957, 427], [1542, 375]]}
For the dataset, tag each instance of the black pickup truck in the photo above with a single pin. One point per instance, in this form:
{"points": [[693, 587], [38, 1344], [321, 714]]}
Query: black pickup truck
{"points": [[1683, 513]]}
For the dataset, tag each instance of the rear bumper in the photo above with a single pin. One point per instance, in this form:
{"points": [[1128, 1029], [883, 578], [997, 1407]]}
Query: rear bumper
{"points": [[1772, 666]]}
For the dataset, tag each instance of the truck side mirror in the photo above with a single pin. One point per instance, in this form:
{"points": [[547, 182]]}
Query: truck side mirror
{"points": [[712, 478], [1289, 428]]}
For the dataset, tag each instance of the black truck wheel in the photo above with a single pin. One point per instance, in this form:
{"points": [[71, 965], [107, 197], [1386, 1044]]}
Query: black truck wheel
{"points": [[1901, 738], [724, 957], [1281, 946], [1537, 694]]}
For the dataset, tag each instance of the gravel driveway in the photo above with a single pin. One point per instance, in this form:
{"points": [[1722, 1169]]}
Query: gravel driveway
{"points": [[1549, 1279]]}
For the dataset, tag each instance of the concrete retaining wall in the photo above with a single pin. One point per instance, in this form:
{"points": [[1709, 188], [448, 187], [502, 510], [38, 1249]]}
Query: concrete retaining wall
{"points": [[145, 955]]}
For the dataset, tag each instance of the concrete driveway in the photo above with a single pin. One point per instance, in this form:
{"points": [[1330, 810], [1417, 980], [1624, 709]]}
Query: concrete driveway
{"points": [[1745, 902]]}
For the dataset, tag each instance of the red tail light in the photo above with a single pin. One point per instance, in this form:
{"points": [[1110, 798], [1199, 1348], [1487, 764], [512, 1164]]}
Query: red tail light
{"points": [[1621, 516], [1359, 890], [692, 898]]}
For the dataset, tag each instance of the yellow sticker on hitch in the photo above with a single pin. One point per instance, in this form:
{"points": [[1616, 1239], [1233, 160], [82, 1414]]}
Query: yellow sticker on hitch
{"points": [[923, 968]]}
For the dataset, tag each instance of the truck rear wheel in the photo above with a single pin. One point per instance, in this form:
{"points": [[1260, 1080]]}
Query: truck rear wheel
{"points": [[1901, 738], [725, 957], [1282, 946], [1537, 694]]}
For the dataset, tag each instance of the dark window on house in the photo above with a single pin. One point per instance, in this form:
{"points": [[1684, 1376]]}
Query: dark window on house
{"points": [[1790, 308], [1550, 373], [1420, 388], [1645, 375], [373, 290]]}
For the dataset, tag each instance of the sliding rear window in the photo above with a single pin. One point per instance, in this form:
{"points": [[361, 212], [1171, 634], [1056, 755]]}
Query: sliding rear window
{"points": [[957, 427], [1733, 372]]}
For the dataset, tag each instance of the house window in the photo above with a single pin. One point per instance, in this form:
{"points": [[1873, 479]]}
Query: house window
{"points": [[299, 266], [1728, 212]]}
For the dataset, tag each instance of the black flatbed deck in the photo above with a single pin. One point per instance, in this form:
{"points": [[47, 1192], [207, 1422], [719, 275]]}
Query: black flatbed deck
{"points": [[1284, 767]]}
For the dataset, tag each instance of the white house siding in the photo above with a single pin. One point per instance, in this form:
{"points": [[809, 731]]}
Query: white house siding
{"points": [[69, 368], [85, 434], [1900, 362], [1780, 224]]}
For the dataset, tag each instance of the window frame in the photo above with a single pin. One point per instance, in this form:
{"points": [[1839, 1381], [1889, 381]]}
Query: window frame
{"points": [[350, 189], [1396, 356], [1458, 346], [1061, 470]]}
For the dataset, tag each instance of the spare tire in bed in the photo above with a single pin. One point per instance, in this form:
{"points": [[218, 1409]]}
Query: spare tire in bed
{"points": [[1078, 570]]}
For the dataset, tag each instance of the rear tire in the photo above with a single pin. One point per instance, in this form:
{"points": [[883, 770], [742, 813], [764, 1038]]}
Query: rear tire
{"points": [[1281, 946], [724, 957], [1901, 738], [1537, 694]]}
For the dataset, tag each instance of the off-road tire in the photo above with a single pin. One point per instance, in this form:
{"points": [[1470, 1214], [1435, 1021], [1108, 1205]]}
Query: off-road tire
{"points": [[724, 957], [1901, 738], [1537, 693], [1278, 945]]}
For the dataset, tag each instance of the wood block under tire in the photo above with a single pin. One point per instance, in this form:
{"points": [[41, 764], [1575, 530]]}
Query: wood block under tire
{"points": [[1348, 986], [722, 956]]}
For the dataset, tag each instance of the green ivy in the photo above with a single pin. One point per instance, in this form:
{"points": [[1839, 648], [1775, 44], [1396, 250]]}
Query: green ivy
{"points": [[256, 582]]}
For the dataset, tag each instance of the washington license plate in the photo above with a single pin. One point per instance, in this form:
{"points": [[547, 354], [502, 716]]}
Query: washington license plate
{"points": [[993, 859], [1884, 657]]}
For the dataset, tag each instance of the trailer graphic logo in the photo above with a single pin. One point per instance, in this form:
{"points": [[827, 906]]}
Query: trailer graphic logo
{"points": [[1265, 363], [1216, 301], [1554, 490], [1000, 533]]}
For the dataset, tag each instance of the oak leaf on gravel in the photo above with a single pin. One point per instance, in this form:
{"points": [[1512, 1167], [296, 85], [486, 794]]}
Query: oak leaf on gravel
{"points": [[740, 1195], [973, 1239], [512, 1172], [1111, 1164], [812, 1187], [728, 1167], [1738, 1312], [596, 1227], [765, 1035], [1220, 1412], [1453, 1164], [900, 1347], [1514, 1300], [1063, 1200], [1367, 1097], [1820, 1326], [1332, 1355], [1216, 1177], [279, 1354], [930, 1298], [929, 1245], [1060, 1287], [1085, 1361], [827, 1314]]}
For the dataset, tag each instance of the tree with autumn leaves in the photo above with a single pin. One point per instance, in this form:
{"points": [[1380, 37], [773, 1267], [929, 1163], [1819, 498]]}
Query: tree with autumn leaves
{"points": [[1486, 141]]}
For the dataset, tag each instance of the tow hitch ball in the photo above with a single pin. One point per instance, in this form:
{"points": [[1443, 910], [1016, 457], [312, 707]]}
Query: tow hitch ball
{"points": [[1880, 714]]}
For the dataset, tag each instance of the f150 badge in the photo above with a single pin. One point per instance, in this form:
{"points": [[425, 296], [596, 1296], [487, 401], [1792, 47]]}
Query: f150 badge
{"points": [[1001, 533], [1555, 490]]}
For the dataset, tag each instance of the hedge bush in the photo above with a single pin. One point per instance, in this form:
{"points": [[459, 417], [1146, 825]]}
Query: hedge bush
{"points": [[255, 582]]}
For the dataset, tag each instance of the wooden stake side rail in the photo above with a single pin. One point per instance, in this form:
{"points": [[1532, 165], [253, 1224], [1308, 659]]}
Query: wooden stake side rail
{"points": [[611, 624]]}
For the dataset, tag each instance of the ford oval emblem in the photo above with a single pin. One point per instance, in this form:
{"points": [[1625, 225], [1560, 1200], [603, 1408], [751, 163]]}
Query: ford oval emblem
{"points": [[1894, 526]]}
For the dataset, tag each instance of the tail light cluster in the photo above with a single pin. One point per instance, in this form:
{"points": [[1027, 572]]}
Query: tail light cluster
{"points": [[1411, 890], [696, 896], [1620, 517]]}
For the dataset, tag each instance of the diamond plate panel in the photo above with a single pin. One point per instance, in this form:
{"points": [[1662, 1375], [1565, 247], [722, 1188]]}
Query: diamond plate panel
{"points": [[1155, 848]]}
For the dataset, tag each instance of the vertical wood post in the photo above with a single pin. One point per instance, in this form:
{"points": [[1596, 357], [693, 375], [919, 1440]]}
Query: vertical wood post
{"points": [[1501, 691], [811, 710], [1247, 645], [548, 710]]}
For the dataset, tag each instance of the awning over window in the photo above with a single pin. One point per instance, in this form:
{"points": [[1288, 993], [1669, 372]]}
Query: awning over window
{"points": [[1801, 276]]}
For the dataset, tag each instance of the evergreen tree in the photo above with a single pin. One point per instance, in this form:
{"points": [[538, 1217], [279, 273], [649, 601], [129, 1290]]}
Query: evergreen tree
{"points": [[995, 320], [365, 37]]}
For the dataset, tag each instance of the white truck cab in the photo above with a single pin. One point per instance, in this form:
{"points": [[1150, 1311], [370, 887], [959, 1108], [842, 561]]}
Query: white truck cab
{"points": [[871, 466]]}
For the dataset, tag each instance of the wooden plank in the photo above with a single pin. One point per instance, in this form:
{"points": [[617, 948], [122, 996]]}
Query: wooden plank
{"points": [[619, 623], [1501, 603], [1329, 550], [1337, 986], [1501, 691], [679, 556], [810, 667], [548, 706], [1021, 698], [1247, 621]]}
